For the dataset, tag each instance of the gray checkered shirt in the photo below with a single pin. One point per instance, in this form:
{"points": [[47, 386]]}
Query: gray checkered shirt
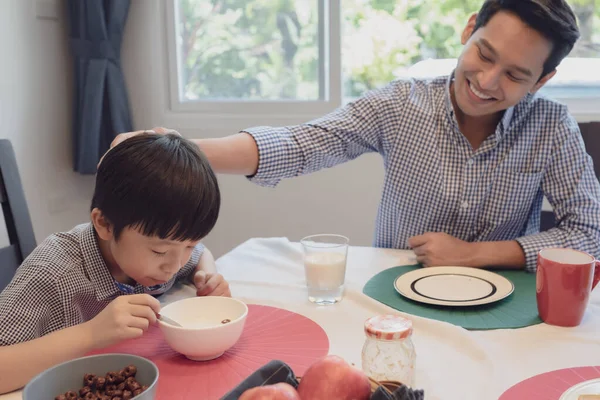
{"points": [[435, 182], [65, 282]]}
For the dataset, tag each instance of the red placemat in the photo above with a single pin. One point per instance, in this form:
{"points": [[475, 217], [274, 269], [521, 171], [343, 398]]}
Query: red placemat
{"points": [[551, 385], [269, 334]]}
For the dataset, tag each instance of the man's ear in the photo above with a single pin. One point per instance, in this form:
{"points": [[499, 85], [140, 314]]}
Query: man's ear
{"points": [[542, 82], [468, 30], [103, 228]]}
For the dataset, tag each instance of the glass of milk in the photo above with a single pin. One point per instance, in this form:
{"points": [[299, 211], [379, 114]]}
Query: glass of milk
{"points": [[325, 266]]}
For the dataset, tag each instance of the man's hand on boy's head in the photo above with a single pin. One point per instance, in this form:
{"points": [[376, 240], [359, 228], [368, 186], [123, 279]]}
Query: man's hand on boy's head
{"points": [[126, 135], [211, 284], [126, 317]]}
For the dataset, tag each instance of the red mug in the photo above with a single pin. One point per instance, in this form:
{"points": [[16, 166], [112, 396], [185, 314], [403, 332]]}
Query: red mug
{"points": [[564, 281]]}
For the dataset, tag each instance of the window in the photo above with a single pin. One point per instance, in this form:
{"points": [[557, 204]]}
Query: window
{"points": [[309, 56], [250, 55], [256, 50]]}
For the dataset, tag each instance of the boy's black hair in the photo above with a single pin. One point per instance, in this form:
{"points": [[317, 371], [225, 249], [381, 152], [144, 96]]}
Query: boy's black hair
{"points": [[161, 185], [554, 19]]}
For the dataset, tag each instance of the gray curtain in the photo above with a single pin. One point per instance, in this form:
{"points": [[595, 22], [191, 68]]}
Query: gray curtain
{"points": [[101, 104]]}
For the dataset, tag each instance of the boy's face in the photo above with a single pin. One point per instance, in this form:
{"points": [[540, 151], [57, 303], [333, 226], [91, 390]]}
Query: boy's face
{"points": [[149, 260], [500, 63]]}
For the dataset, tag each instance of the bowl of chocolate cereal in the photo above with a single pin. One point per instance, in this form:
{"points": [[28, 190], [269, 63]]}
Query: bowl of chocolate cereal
{"points": [[98, 377]]}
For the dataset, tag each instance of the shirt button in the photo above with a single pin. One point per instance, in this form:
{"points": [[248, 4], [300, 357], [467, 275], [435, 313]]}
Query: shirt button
{"points": [[470, 162], [465, 204]]}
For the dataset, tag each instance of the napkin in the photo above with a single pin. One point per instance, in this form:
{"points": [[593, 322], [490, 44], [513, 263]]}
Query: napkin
{"points": [[277, 371]]}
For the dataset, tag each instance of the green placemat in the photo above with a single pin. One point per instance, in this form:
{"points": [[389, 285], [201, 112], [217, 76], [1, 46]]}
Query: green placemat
{"points": [[516, 311]]}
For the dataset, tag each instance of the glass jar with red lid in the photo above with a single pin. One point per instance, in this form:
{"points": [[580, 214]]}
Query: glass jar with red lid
{"points": [[388, 353]]}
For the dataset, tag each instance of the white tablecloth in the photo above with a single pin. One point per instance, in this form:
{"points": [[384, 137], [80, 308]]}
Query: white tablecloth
{"points": [[452, 363]]}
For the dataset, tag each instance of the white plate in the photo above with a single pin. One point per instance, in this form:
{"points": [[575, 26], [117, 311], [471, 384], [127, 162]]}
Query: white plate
{"points": [[453, 286], [587, 387]]}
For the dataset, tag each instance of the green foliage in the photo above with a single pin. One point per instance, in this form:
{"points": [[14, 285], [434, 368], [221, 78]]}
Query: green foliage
{"points": [[268, 49]]}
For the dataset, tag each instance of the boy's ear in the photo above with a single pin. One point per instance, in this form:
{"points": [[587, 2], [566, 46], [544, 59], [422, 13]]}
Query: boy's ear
{"points": [[103, 227]]}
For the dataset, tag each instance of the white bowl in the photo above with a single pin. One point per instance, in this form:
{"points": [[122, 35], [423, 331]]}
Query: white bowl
{"points": [[204, 335]]}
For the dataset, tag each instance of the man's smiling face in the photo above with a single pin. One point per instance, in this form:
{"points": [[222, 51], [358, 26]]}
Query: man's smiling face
{"points": [[501, 62]]}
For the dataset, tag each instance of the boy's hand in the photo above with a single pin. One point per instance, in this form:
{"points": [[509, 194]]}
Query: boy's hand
{"points": [[126, 317], [211, 284]]}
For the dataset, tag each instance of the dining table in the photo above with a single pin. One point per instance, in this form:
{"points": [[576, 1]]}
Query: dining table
{"points": [[452, 363]]}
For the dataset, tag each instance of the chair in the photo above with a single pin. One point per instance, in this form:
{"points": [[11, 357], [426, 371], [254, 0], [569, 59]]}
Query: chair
{"points": [[16, 216], [590, 131]]}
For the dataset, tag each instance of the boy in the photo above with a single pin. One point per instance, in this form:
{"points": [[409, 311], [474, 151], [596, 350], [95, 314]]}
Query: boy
{"points": [[155, 198]]}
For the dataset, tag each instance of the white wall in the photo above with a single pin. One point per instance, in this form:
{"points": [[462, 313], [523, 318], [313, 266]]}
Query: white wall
{"points": [[35, 114], [302, 206]]}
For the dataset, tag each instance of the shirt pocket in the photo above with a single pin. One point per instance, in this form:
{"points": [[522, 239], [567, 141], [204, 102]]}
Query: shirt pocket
{"points": [[509, 200]]}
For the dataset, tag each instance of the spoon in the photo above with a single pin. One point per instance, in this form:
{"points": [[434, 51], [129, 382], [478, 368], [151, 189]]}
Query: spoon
{"points": [[168, 320]]}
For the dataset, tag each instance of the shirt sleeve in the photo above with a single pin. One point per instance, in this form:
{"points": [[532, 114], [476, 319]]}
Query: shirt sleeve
{"points": [[338, 137], [30, 306], [571, 187], [186, 272]]}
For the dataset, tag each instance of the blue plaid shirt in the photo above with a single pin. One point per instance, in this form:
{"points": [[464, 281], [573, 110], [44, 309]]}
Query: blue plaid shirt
{"points": [[436, 182]]}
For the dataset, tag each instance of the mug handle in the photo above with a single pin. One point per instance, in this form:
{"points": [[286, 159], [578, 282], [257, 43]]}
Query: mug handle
{"points": [[596, 274]]}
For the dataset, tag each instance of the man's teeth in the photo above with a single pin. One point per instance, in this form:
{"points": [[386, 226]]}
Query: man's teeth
{"points": [[478, 93]]}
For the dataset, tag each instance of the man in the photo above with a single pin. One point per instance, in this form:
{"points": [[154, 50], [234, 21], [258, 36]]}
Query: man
{"points": [[468, 158]]}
